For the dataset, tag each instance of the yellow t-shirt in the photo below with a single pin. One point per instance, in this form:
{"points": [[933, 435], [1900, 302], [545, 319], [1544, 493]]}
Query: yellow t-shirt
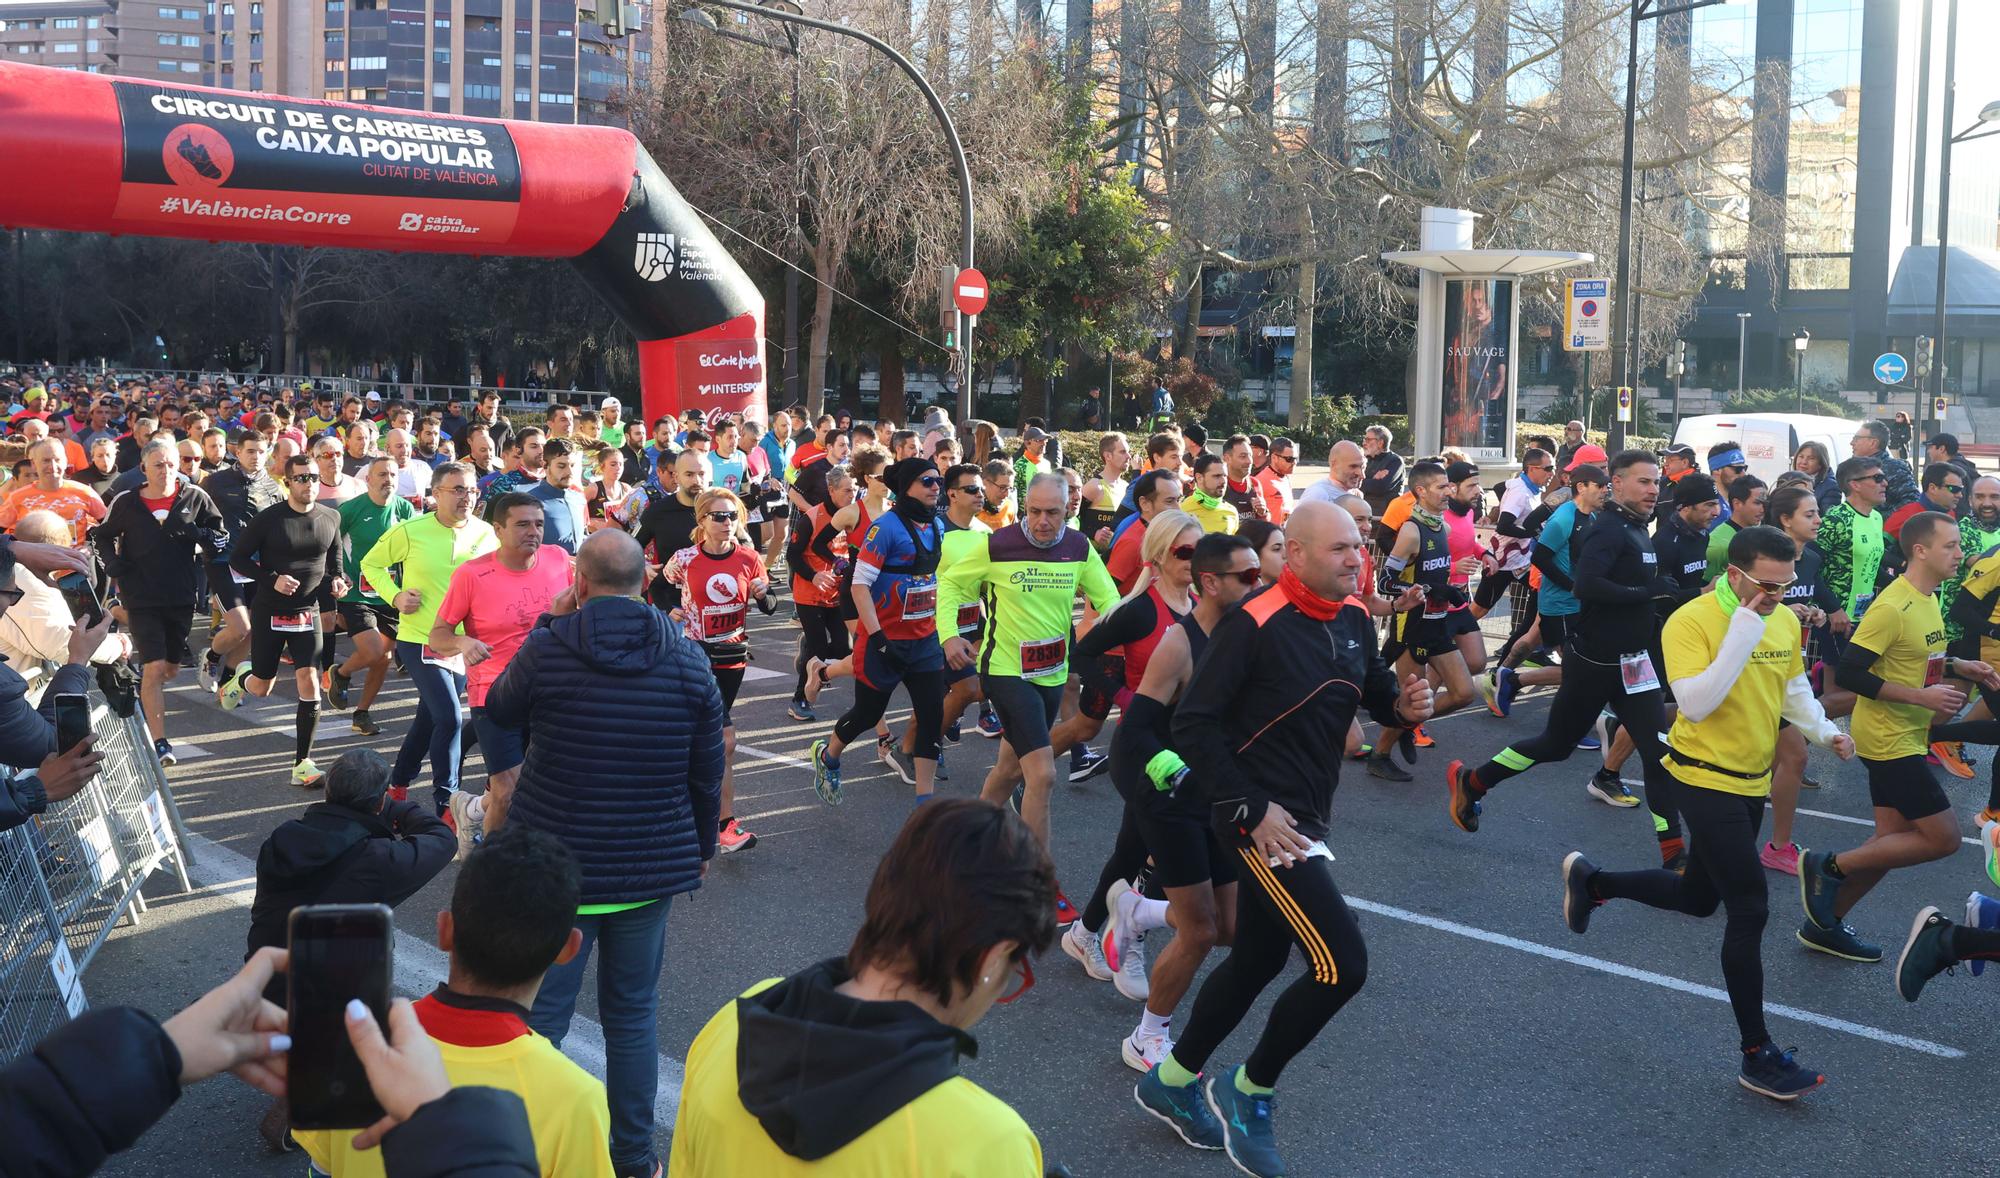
{"points": [[1223, 517], [1740, 734], [567, 1112], [955, 1130], [1905, 632]]}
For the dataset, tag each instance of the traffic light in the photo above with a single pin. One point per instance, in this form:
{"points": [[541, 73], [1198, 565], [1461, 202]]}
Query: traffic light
{"points": [[1678, 368], [1923, 358]]}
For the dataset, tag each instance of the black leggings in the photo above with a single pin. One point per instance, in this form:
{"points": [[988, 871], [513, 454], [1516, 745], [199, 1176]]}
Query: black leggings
{"points": [[1722, 869], [926, 690], [1978, 732], [824, 637], [1277, 908], [1587, 687]]}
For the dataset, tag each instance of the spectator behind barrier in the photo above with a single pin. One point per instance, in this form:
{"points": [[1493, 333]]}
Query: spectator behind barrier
{"points": [[38, 628], [28, 735]]}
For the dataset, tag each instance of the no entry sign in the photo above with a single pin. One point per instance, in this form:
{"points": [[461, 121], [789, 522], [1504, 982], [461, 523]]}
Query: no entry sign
{"points": [[968, 290]]}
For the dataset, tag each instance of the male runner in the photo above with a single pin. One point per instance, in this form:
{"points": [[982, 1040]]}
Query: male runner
{"points": [[1261, 724], [1028, 576], [291, 553], [240, 491], [667, 524], [1852, 539], [1745, 501], [1513, 543], [371, 623], [1422, 638], [565, 515], [1554, 556], [1896, 664], [1239, 490], [1609, 660], [51, 490], [1167, 817], [1103, 493], [1733, 657], [1154, 492], [495, 600], [896, 596], [1205, 501]]}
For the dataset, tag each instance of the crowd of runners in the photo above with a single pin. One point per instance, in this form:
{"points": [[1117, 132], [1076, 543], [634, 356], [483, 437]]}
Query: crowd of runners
{"points": [[1251, 633]]}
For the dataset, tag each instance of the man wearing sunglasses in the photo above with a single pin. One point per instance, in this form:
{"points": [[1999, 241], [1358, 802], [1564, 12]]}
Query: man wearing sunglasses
{"points": [[1871, 440], [1733, 658], [1853, 538], [1944, 490]]}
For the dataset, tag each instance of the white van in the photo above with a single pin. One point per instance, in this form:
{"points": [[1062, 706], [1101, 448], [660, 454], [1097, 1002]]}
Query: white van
{"points": [[1768, 439]]}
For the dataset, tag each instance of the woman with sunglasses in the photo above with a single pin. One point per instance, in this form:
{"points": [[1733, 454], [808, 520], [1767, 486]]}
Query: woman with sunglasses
{"points": [[711, 585], [850, 1067], [817, 556]]}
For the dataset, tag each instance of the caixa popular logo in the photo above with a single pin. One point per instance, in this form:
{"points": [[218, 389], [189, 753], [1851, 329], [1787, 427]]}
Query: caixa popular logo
{"points": [[653, 256]]}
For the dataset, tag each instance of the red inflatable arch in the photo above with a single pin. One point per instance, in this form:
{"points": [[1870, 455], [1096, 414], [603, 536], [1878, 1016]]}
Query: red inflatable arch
{"points": [[97, 154]]}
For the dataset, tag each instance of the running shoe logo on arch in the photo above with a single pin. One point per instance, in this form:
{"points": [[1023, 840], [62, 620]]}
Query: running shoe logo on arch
{"points": [[653, 256]]}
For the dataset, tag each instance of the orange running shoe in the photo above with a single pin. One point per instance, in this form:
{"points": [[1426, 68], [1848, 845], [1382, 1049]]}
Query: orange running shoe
{"points": [[1950, 755]]}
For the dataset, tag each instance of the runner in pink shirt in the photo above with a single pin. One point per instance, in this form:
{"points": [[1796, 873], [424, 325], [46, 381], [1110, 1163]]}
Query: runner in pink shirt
{"points": [[495, 600]]}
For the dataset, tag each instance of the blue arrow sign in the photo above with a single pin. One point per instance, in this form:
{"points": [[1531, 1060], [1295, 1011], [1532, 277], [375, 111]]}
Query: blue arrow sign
{"points": [[1891, 368]]}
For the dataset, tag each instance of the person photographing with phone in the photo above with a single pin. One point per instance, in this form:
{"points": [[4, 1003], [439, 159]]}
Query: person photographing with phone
{"points": [[29, 736]]}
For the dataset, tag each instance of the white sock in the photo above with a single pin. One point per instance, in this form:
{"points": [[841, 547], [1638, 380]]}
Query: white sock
{"points": [[1151, 1024], [475, 810], [1144, 915]]}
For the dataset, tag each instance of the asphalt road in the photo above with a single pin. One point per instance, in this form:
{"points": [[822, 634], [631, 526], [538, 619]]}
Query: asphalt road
{"points": [[1489, 1039]]}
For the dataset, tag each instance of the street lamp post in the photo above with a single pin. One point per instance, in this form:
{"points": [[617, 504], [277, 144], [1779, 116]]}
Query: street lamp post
{"points": [[1742, 349], [788, 15], [1800, 339], [1979, 130], [1621, 356]]}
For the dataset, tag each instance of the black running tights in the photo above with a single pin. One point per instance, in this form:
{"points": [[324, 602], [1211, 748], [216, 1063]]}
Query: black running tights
{"points": [[823, 636], [1128, 858], [1277, 908], [1722, 870], [926, 690]]}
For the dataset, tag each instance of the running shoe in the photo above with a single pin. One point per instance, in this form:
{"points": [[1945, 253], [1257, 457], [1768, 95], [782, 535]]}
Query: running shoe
{"points": [[1020, 792], [464, 823], [990, 727], [1989, 814], [1065, 913], [1246, 1124], [1806, 782], [1777, 858], [885, 745], [732, 838], [233, 688], [1183, 1109], [1082, 944], [1951, 755], [1989, 848], [1770, 1072], [904, 765], [1924, 955], [1506, 685], [1578, 903], [1143, 1053], [1839, 941], [1381, 764], [1487, 689], [1463, 807], [307, 775], [399, 793], [1590, 742], [1089, 765], [1420, 738], [941, 774], [814, 668], [1609, 788], [1125, 947], [955, 733], [801, 711], [363, 723], [1541, 656], [1981, 911], [1817, 889], [164, 749], [826, 773], [205, 674], [325, 681], [336, 688]]}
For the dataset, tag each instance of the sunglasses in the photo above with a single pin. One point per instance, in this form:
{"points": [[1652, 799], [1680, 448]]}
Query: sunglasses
{"points": [[1240, 576], [1027, 982], [1181, 552], [967, 489], [722, 517], [1955, 488], [1774, 588], [300, 480], [931, 480], [1877, 477]]}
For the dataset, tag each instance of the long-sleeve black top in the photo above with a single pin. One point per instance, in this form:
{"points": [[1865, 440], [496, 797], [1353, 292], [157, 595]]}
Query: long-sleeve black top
{"points": [[282, 541]]}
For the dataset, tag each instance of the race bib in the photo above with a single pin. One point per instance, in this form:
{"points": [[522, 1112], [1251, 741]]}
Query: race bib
{"points": [[1934, 670], [722, 623], [1317, 851], [453, 663], [969, 618], [302, 623], [239, 578], [1638, 673], [919, 601], [1861, 605], [1046, 656]]}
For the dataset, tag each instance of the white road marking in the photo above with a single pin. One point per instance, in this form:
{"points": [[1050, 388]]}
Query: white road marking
{"points": [[1860, 821], [421, 966], [1663, 981]]}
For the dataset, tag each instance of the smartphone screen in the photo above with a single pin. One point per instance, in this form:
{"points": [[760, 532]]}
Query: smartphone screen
{"points": [[81, 595], [339, 952], [72, 720]]}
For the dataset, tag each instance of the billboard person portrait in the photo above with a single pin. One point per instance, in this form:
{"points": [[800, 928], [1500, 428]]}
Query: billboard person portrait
{"points": [[1478, 347]]}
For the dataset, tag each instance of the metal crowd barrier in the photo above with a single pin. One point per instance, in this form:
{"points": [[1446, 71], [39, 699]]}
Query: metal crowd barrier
{"points": [[72, 874]]}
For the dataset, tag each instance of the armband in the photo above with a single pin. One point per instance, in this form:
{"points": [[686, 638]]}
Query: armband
{"points": [[1166, 770]]}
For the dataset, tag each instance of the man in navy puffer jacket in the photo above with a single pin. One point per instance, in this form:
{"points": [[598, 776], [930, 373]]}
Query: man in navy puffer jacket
{"points": [[624, 733]]}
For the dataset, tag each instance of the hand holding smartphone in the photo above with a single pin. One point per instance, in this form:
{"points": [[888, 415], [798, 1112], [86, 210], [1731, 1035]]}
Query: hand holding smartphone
{"points": [[339, 952]]}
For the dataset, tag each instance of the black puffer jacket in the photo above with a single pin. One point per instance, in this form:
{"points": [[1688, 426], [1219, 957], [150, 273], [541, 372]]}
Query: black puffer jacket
{"points": [[624, 726]]}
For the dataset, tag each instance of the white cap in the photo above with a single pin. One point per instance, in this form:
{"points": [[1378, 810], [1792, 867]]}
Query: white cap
{"points": [[373, 395], [610, 403]]}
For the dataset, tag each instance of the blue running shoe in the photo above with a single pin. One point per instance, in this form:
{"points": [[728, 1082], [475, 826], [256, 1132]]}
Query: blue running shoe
{"points": [[1839, 941], [826, 774], [1246, 1124], [1590, 742], [1770, 1072], [1183, 1109], [1817, 889], [989, 726], [1506, 685], [802, 711], [1924, 955], [1981, 911], [953, 734]]}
